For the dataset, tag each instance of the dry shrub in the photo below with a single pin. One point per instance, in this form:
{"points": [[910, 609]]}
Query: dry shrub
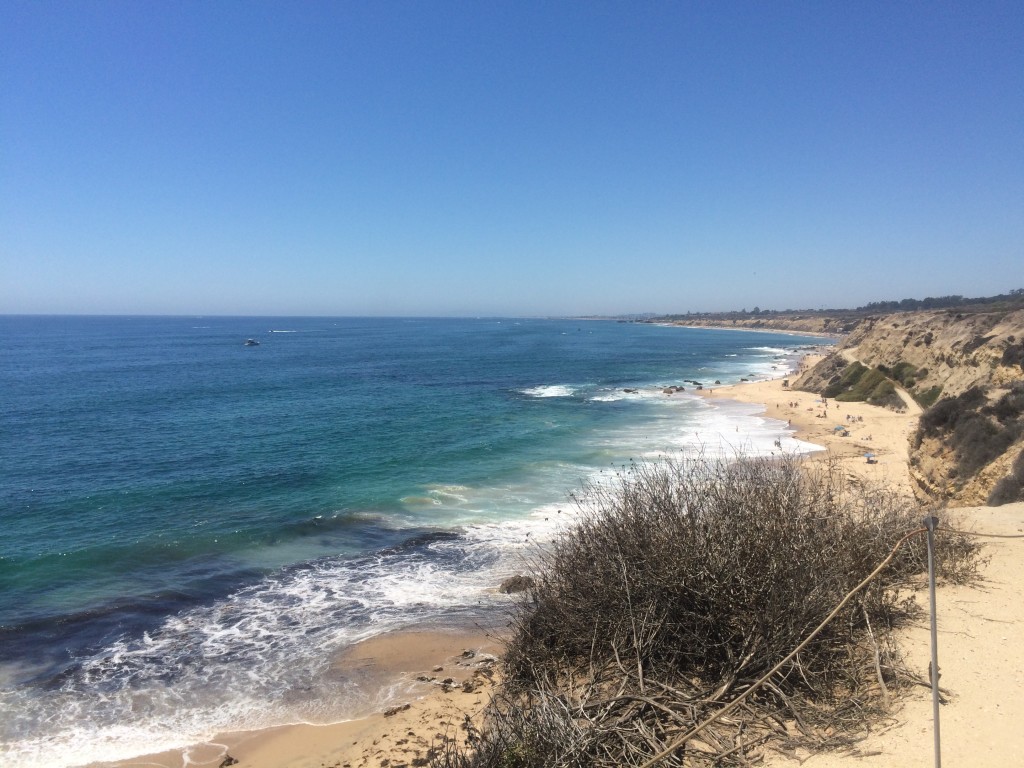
{"points": [[682, 584], [977, 432], [1010, 488]]}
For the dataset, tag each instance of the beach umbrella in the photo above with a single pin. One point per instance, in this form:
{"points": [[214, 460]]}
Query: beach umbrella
{"points": [[839, 429], [869, 455]]}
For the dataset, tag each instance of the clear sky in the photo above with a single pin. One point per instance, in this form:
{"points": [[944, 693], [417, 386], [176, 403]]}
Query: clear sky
{"points": [[506, 158]]}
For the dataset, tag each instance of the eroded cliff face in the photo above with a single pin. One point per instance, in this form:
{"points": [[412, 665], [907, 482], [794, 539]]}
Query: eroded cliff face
{"points": [[953, 350], [945, 354]]}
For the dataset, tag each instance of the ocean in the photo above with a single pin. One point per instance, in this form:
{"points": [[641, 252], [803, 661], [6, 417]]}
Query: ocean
{"points": [[193, 528]]}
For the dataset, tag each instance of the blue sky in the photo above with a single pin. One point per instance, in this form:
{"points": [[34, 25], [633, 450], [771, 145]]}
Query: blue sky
{"points": [[513, 158]]}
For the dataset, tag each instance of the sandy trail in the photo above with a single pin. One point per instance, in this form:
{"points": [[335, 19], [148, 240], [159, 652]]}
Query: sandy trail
{"points": [[981, 628]]}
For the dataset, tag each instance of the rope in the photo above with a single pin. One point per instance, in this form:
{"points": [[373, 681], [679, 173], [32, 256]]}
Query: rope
{"points": [[739, 699], [986, 535]]}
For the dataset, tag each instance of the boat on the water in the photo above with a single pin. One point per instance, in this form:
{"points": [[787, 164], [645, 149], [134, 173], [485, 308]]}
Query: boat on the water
{"points": [[251, 343]]}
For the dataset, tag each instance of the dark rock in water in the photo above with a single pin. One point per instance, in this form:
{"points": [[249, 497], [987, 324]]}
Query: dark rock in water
{"points": [[228, 760], [469, 653], [516, 584], [717, 381]]}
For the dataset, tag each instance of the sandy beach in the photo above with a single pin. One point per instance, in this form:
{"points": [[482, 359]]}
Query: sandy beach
{"points": [[981, 659], [437, 679], [980, 627], [848, 431]]}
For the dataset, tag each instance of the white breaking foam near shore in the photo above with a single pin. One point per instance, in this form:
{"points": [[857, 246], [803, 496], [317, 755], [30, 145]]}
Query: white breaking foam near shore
{"points": [[634, 393], [551, 390], [261, 656], [258, 658]]}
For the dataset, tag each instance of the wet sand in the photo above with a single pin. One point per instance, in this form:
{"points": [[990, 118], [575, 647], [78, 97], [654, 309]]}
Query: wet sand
{"points": [[458, 673]]}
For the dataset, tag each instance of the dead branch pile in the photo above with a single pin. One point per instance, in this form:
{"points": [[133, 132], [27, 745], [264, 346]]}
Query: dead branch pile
{"points": [[681, 585]]}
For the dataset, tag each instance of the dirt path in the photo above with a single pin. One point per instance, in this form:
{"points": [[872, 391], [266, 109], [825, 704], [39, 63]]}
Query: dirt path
{"points": [[913, 408]]}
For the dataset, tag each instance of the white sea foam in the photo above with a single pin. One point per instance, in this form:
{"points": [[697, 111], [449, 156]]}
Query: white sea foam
{"points": [[261, 656], [758, 364], [552, 390], [448, 493], [611, 396], [257, 658], [420, 501]]}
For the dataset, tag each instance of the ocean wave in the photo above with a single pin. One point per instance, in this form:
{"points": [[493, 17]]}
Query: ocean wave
{"points": [[420, 501], [656, 395], [257, 658], [627, 393], [552, 390], [447, 494], [258, 652], [262, 656], [614, 397]]}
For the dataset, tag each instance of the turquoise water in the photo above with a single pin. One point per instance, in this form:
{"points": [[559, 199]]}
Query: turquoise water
{"points": [[193, 527]]}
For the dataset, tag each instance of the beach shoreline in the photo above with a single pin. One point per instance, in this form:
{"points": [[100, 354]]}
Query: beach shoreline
{"points": [[433, 679], [781, 332], [849, 433], [423, 716]]}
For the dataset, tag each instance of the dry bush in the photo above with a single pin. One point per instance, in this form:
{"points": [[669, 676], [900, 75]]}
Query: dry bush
{"points": [[681, 585], [1010, 488], [977, 432]]}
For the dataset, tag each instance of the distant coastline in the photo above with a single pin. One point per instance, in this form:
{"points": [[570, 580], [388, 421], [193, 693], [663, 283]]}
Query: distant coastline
{"points": [[786, 331]]}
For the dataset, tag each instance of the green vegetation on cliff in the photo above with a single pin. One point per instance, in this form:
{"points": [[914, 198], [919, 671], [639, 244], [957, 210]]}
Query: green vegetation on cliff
{"points": [[858, 383], [978, 432]]}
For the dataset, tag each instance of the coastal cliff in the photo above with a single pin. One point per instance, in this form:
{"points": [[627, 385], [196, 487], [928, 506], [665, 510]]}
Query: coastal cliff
{"points": [[949, 349], [965, 368], [794, 322]]}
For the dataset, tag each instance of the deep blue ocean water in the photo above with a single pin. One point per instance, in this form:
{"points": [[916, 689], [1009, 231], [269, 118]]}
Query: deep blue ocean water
{"points": [[193, 528]]}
